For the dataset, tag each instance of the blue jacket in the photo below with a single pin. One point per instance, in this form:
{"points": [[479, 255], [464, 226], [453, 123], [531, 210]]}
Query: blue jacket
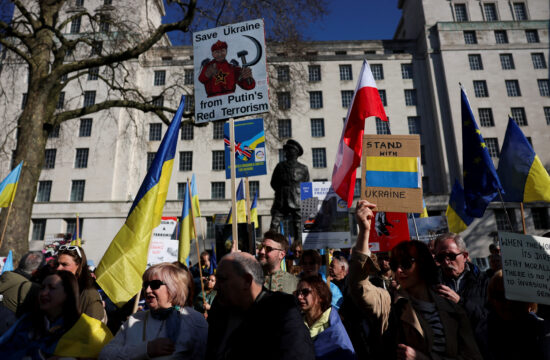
{"points": [[334, 342]]}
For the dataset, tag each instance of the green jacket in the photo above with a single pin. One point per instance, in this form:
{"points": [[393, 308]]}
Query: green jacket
{"points": [[18, 291], [281, 281]]}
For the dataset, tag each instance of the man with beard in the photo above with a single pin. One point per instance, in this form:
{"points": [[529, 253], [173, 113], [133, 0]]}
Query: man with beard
{"points": [[272, 252]]}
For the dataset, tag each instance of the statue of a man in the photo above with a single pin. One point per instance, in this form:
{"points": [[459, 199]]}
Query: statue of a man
{"points": [[286, 179]]}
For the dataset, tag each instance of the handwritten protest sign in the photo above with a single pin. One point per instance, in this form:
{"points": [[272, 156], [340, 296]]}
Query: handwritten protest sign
{"points": [[250, 150], [526, 267], [391, 173], [164, 243]]}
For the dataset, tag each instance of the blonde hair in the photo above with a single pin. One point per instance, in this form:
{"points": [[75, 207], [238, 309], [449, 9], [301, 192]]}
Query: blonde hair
{"points": [[176, 280]]}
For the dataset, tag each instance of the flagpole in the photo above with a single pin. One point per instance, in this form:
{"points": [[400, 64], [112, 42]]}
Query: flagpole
{"points": [[234, 223], [6, 223], [505, 212], [522, 217], [196, 240], [248, 217], [415, 228]]}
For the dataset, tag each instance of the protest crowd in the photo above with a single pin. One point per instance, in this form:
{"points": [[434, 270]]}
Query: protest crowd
{"points": [[415, 302]]}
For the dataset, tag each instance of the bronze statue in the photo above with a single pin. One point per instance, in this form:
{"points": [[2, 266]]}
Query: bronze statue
{"points": [[286, 179]]}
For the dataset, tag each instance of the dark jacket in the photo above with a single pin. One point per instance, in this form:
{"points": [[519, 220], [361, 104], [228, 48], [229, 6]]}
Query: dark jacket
{"points": [[334, 342], [19, 292], [271, 328]]}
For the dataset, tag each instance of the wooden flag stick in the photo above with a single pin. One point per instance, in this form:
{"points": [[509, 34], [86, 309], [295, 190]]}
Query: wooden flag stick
{"points": [[196, 239], [248, 215], [522, 217], [6, 223], [234, 230], [136, 302]]}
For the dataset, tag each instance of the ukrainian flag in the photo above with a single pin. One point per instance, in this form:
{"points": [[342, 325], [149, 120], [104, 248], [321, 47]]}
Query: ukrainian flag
{"points": [[195, 197], [186, 229], [85, 339], [8, 186], [119, 271], [397, 172], [241, 206], [521, 172], [254, 211], [457, 218]]}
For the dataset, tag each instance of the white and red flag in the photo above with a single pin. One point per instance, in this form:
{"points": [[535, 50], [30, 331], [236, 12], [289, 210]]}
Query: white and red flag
{"points": [[366, 102]]}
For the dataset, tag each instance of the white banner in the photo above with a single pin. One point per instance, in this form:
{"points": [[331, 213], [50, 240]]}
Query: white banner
{"points": [[164, 243]]}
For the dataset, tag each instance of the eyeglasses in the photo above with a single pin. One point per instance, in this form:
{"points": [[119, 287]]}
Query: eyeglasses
{"points": [[304, 292], [404, 264], [450, 255], [269, 249], [71, 248], [153, 284]]}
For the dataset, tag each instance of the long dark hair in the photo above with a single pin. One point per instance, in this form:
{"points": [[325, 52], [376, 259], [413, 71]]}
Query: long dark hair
{"points": [[83, 275], [427, 269]]}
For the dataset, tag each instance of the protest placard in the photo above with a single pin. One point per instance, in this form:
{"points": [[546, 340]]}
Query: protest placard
{"points": [[391, 173], [526, 267], [230, 71], [387, 230], [325, 217], [250, 150], [164, 243], [428, 228]]}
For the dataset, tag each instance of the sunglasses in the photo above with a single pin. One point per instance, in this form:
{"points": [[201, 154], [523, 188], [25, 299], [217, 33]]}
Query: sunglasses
{"points": [[269, 249], [71, 248], [304, 292], [404, 264], [153, 284], [450, 256]]}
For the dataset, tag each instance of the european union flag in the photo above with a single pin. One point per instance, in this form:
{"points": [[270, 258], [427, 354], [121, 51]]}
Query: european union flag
{"points": [[481, 182]]}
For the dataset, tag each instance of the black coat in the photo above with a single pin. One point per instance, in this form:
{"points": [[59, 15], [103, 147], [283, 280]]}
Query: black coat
{"points": [[271, 329]]}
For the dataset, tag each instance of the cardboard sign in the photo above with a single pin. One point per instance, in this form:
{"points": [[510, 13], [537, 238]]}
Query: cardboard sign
{"points": [[230, 71], [325, 217], [525, 267], [164, 243], [387, 230], [250, 150], [428, 228], [391, 173]]}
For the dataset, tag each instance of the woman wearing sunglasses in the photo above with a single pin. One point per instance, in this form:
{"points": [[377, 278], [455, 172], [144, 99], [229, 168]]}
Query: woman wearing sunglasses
{"points": [[418, 323], [329, 336], [168, 329], [72, 258]]}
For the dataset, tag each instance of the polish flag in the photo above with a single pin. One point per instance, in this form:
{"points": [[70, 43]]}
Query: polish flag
{"points": [[366, 102]]}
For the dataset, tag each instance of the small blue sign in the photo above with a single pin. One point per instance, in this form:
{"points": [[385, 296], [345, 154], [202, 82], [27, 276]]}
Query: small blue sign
{"points": [[250, 150]]}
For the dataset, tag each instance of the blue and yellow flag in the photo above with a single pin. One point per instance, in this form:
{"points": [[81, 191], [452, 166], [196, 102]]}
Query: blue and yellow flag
{"points": [[8, 186], [481, 183], [457, 218], [241, 206], [119, 271], [521, 172], [397, 172], [85, 339], [195, 197], [424, 213], [186, 229], [254, 211], [77, 236]]}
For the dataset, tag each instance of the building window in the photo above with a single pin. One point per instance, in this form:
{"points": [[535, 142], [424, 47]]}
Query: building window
{"points": [[518, 114], [79, 3], [97, 48], [501, 37], [512, 88], [38, 229], [414, 125], [189, 103], [383, 98], [314, 73], [486, 117], [89, 98], [543, 87], [182, 188], [490, 11], [282, 156], [547, 115], [218, 190], [492, 146], [347, 97], [345, 72], [406, 71], [319, 157], [104, 24], [61, 101], [150, 159], [317, 127], [77, 190], [283, 100], [283, 73], [316, 99], [520, 12], [158, 101], [470, 37], [160, 77], [382, 127], [377, 71], [186, 160], [285, 128], [532, 36], [538, 61], [81, 158], [217, 130], [75, 25], [55, 132], [155, 132], [93, 73], [540, 218], [410, 97], [44, 191], [49, 158], [475, 62], [218, 160], [187, 131], [507, 62], [71, 226], [85, 127], [480, 88], [502, 219], [254, 188], [189, 77], [460, 12], [24, 101]]}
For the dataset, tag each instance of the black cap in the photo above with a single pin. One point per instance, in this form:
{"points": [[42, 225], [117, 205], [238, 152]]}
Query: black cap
{"points": [[295, 145]]}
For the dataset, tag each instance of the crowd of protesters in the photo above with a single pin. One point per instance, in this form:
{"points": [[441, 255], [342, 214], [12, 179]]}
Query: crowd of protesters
{"points": [[419, 301]]}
